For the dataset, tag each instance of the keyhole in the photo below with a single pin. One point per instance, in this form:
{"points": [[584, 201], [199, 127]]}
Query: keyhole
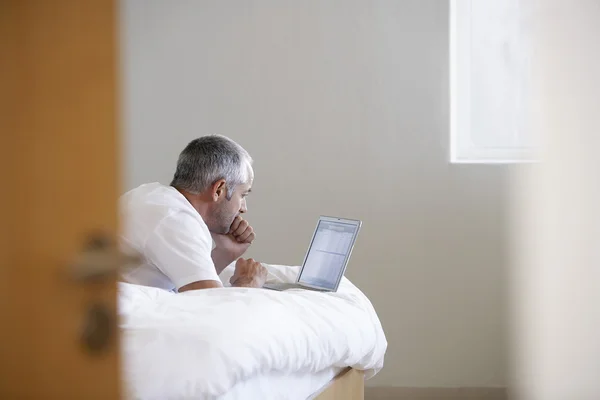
{"points": [[97, 329]]}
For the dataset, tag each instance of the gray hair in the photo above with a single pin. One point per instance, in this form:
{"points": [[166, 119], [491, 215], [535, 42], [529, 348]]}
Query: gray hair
{"points": [[208, 159]]}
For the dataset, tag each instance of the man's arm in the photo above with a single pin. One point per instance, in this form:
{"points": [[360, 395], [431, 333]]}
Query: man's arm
{"points": [[181, 249], [200, 285], [248, 273], [229, 248], [223, 255], [233, 245]]}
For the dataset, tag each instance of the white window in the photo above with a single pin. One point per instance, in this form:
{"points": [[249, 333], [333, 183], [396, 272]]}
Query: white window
{"points": [[489, 81]]}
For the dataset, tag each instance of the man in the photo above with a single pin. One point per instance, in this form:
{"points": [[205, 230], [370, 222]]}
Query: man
{"points": [[190, 231]]}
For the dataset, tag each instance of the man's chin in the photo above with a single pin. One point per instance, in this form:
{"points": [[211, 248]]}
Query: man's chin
{"points": [[219, 230]]}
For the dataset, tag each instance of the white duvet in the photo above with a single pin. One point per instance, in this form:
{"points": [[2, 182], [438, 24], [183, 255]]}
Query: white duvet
{"points": [[200, 344]]}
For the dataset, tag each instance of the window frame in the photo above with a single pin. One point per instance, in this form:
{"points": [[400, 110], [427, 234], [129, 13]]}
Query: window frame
{"points": [[462, 148]]}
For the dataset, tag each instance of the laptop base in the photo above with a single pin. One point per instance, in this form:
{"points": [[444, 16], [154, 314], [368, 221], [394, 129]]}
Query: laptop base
{"points": [[285, 286]]}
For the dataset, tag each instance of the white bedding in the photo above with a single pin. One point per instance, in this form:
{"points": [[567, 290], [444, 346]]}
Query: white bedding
{"points": [[207, 344]]}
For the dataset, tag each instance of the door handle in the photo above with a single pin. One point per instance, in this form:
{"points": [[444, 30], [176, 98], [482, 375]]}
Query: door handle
{"points": [[100, 259]]}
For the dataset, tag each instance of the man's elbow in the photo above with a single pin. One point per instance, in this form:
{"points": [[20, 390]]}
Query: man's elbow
{"points": [[200, 285]]}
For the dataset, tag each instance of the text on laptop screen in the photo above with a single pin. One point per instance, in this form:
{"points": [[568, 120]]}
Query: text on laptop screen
{"points": [[329, 249]]}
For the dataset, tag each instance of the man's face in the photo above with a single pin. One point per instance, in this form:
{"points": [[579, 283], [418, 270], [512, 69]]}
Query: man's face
{"points": [[225, 211]]}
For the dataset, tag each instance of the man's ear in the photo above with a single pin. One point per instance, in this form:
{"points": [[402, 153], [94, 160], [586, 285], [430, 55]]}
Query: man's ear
{"points": [[218, 189]]}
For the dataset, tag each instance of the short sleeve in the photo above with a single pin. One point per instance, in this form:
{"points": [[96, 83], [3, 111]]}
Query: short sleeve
{"points": [[181, 247]]}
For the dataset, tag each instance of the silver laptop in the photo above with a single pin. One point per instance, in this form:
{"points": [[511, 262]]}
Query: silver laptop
{"points": [[327, 256]]}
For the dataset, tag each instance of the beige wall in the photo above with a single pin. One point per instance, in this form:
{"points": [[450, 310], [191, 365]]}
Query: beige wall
{"points": [[344, 106]]}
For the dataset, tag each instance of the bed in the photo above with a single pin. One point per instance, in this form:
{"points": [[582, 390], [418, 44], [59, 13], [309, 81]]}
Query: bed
{"points": [[242, 343]]}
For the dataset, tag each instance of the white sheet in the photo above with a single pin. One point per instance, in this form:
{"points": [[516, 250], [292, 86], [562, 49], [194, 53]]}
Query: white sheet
{"points": [[201, 344]]}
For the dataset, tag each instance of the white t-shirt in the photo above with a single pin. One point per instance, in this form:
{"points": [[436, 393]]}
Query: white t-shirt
{"points": [[161, 225]]}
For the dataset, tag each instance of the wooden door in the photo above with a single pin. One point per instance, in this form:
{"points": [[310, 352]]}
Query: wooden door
{"points": [[59, 182]]}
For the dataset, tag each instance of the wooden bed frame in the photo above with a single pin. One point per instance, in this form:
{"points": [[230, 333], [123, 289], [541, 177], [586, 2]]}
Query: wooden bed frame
{"points": [[347, 385]]}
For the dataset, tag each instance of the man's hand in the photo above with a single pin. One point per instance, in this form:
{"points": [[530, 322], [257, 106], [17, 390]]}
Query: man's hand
{"points": [[248, 273], [232, 246], [242, 231]]}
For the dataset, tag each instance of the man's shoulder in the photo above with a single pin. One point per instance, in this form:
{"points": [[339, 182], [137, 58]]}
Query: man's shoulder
{"points": [[146, 190], [154, 195], [153, 202]]}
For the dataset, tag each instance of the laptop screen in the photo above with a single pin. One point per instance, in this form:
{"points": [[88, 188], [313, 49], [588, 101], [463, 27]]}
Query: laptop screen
{"points": [[326, 258]]}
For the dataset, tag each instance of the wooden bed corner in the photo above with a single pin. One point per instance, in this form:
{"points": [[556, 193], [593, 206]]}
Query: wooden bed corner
{"points": [[347, 385]]}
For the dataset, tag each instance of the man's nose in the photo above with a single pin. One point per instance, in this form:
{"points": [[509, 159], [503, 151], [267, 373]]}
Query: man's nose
{"points": [[243, 208]]}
